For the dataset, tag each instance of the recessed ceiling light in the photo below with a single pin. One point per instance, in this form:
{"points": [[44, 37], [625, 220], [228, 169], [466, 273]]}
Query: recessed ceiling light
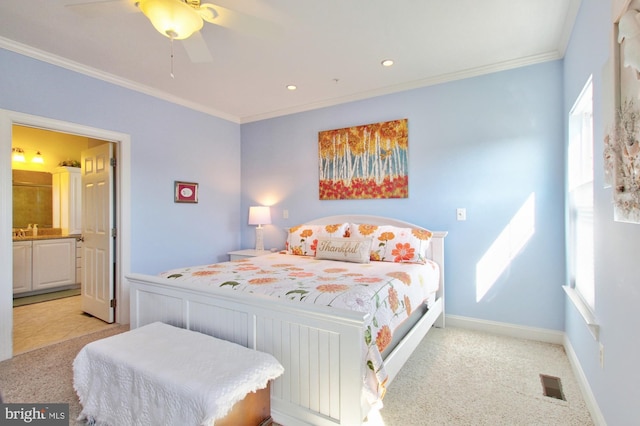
{"points": [[292, 86], [387, 62]]}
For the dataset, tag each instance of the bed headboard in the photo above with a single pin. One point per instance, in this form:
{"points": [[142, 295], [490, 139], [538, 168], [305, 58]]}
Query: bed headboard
{"points": [[362, 218], [436, 247]]}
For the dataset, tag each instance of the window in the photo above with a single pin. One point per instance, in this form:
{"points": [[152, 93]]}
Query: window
{"points": [[580, 197]]}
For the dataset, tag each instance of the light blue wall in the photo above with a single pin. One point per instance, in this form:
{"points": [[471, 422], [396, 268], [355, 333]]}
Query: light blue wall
{"points": [[485, 143], [617, 286], [168, 142]]}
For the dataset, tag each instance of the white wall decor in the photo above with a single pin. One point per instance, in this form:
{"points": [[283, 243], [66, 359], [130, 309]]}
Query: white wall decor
{"points": [[622, 142]]}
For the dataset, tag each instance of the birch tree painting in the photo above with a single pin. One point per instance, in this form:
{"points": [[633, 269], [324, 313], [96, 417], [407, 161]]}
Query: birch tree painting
{"points": [[364, 162]]}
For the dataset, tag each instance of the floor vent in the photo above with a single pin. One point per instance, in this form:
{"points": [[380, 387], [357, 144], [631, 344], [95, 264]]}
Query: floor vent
{"points": [[552, 387]]}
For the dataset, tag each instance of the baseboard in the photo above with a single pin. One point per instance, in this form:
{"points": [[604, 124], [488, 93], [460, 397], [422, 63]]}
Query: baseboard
{"points": [[505, 329], [587, 394], [541, 335]]}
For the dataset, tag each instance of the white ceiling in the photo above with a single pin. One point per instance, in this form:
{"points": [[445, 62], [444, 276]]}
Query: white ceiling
{"points": [[330, 49]]}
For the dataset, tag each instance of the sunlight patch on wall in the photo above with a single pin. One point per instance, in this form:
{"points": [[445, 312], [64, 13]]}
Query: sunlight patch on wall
{"points": [[505, 248]]}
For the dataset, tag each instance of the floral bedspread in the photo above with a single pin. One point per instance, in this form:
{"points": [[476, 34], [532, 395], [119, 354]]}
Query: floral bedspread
{"points": [[387, 290]]}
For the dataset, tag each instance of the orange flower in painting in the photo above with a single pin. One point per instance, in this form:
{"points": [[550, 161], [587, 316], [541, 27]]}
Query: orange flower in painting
{"points": [[262, 281], [407, 304], [297, 250], [421, 234], [375, 256], [386, 236], [294, 229], [332, 288], [394, 302], [306, 233], [314, 246], [204, 273], [367, 229], [402, 276], [403, 252], [383, 338]]}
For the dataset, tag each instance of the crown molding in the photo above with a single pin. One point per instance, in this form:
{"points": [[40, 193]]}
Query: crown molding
{"points": [[40, 55], [47, 57], [431, 81]]}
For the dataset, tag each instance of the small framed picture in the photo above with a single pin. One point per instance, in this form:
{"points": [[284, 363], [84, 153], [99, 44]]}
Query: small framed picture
{"points": [[186, 192]]}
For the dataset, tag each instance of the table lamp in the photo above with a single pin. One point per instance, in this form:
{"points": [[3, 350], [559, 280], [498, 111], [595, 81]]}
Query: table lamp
{"points": [[259, 215]]}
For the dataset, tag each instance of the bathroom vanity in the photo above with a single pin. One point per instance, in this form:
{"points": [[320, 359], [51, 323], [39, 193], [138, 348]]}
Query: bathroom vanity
{"points": [[43, 264], [49, 259]]}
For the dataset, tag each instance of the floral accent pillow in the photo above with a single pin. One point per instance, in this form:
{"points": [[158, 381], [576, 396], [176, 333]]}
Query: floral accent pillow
{"points": [[303, 239], [394, 244], [344, 249]]}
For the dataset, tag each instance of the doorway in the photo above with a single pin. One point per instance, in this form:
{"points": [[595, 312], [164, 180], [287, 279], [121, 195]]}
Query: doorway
{"points": [[121, 143], [40, 315]]}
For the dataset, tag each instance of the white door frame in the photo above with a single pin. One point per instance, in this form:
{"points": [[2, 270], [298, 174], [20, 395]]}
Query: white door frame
{"points": [[123, 214]]}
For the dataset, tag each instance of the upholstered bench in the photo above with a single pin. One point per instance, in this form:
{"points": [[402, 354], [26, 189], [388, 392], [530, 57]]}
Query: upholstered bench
{"points": [[164, 375]]}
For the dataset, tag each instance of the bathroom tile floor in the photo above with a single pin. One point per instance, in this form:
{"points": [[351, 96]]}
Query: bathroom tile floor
{"points": [[46, 323]]}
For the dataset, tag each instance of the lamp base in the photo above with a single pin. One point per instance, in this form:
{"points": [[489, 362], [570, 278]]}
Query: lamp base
{"points": [[259, 238]]}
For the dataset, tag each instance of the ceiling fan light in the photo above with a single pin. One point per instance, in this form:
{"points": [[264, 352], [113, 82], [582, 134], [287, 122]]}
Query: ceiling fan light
{"points": [[172, 18]]}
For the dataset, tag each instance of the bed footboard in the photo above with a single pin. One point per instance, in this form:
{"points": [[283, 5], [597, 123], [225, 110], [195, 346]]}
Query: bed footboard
{"points": [[319, 347]]}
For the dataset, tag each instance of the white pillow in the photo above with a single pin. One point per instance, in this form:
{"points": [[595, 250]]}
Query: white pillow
{"points": [[355, 250], [394, 244]]}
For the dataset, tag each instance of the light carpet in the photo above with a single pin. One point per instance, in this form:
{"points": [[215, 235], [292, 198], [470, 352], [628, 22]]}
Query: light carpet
{"points": [[464, 377], [455, 377]]}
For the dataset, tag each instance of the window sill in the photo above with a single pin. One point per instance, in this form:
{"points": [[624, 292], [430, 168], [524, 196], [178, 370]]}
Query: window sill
{"points": [[584, 310]]}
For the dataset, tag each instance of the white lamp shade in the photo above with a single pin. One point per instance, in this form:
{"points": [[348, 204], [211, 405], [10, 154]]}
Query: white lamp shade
{"points": [[259, 215], [172, 18]]}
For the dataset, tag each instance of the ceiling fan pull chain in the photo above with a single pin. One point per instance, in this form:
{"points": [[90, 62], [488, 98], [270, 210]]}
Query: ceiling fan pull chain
{"points": [[171, 73]]}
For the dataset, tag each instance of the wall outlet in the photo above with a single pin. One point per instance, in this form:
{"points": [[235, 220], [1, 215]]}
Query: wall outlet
{"points": [[601, 355], [461, 213], [285, 214]]}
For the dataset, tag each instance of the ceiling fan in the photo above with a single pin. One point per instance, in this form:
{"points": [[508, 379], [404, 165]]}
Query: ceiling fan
{"points": [[177, 19], [182, 20]]}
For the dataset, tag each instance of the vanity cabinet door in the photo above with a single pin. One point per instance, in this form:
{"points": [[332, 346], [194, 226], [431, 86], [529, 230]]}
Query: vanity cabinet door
{"points": [[54, 263], [21, 266]]}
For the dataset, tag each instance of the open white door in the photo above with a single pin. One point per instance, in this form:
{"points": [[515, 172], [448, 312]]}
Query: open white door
{"points": [[97, 225]]}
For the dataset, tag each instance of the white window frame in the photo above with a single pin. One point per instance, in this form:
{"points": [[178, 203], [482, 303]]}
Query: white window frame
{"points": [[580, 237]]}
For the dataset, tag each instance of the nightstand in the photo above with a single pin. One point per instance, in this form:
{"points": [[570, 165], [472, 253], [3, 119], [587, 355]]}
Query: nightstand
{"points": [[242, 254]]}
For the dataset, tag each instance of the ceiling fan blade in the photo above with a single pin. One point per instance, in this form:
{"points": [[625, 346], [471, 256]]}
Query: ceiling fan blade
{"points": [[242, 22], [197, 49], [101, 8]]}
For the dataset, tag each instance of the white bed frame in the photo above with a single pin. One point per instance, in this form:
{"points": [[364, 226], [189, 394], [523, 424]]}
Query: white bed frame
{"points": [[320, 347]]}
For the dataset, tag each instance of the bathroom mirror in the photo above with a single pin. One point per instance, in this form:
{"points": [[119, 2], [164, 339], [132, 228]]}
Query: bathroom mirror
{"points": [[32, 199]]}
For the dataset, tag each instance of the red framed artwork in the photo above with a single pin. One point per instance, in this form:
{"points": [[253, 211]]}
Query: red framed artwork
{"points": [[186, 192]]}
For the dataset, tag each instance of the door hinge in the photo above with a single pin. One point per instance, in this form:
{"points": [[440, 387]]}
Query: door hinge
{"points": [[112, 303], [113, 162], [114, 232]]}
